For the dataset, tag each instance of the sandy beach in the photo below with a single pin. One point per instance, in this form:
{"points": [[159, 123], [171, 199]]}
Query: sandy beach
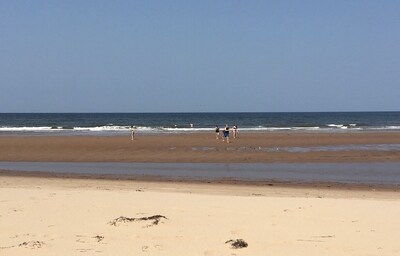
{"points": [[63, 215]]}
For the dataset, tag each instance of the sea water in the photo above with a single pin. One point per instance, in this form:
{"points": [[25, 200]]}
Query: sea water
{"points": [[115, 124]]}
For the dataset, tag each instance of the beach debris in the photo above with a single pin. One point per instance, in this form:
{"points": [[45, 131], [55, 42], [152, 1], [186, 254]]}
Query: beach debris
{"points": [[155, 219], [237, 243], [99, 238], [32, 244]]}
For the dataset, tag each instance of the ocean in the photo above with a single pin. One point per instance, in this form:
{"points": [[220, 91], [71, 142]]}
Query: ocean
{"points": [[115, 124]]}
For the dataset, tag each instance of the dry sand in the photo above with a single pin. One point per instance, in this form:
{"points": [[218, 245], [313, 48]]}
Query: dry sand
{"points": [[62, 216], [66, 216]]}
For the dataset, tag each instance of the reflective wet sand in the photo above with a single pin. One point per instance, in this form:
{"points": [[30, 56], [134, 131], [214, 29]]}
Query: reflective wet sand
{"points": [[347, 173]]}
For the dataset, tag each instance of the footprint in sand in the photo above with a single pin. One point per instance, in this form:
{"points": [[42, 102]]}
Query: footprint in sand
{"points": [[146, 248], [84, 250], [16, 236], [15, 210], [235, 232], [80, 239]]}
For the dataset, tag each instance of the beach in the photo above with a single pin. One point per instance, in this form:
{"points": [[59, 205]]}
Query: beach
{"points": [[58, 214], [199, 128]]}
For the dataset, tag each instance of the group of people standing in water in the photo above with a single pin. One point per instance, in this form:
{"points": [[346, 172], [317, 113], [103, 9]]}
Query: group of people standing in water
{"points": [[225, 132]]}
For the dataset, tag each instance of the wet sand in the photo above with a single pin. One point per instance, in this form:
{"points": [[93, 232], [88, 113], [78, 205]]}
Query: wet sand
{"points": [[199, 148], [385, 174]]}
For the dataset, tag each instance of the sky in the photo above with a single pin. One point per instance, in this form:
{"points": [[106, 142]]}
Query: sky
{"points": [[199, 56]]}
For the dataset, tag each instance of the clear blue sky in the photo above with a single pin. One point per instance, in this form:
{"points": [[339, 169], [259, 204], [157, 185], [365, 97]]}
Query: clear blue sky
{"points": [[184, 56]]}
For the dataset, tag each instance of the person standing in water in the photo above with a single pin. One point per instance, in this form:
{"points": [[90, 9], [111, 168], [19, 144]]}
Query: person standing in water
{"points": [[234, 130], [226, 133], [133, 130], [217, 132]]}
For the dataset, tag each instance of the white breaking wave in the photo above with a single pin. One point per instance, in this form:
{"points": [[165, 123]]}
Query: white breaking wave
{"points": [[306, 128], [385, 128], [260, 129], [341, 126], [27, 129], [188, 129], [115, 129], [102, 128]]}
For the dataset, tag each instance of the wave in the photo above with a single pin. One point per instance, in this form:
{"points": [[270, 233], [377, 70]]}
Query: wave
{"points": [[342, 126], [115, 129], [22, 129], [391, 127]]}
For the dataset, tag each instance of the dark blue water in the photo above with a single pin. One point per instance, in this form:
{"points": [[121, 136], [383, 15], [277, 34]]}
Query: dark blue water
{"points": [[114, 123]]}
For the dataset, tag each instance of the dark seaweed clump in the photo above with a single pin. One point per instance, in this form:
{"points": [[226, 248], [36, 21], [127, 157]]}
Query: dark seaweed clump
{"points": [[237, 243], [155, 219]]}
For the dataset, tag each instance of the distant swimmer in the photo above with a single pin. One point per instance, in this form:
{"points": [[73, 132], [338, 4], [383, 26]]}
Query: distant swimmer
{"points": [[217, 132], [133, 130]]}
